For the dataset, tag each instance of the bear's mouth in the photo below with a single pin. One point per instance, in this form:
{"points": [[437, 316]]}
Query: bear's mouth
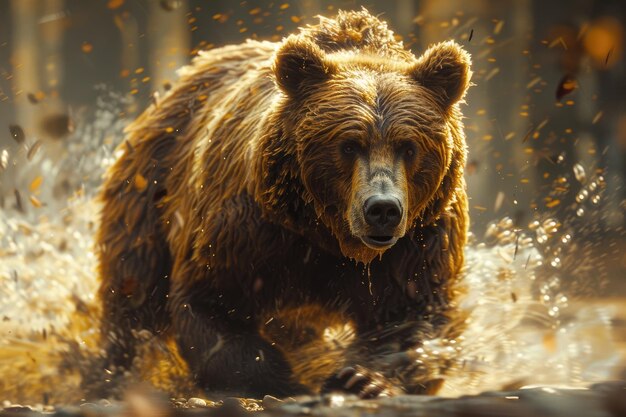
{"points": [[379, 241]]}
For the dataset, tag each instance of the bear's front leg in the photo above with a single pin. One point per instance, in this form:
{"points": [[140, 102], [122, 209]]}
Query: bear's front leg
{"points": [[414, 286], [224, 351], [384, 362]]}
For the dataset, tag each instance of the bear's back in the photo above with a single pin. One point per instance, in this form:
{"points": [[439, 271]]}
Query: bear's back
{"points": [[233, 90], [238, 92]]}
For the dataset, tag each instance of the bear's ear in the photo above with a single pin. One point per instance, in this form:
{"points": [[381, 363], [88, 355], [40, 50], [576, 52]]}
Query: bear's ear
{"points": [[445, 70], [300, 64]]}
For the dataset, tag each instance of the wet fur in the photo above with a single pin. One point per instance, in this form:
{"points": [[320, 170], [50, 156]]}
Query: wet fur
{"points": [[229, 203]]}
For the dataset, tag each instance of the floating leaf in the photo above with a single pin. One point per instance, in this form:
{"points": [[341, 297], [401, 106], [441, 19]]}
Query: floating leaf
{"points": [[86, 47], [566, 86], [549, 342], [17, 133], [36, 183], [553, 203], [498, 28], [115, 4]]}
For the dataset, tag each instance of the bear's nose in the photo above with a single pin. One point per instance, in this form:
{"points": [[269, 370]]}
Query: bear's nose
{"points": [[382, 211]]}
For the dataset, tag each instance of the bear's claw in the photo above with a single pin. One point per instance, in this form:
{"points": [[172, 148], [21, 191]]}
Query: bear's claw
{"points": [[361, 382]]}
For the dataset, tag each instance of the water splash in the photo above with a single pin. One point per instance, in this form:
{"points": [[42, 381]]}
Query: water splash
{"points": [[526, 322]]}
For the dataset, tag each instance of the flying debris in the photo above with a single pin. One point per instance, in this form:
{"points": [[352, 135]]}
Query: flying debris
{"points": [[566, 86], [17, 133], [4, 160], [32, 98], [608, 55], [32, 150], [57, 126], [170, 5]]}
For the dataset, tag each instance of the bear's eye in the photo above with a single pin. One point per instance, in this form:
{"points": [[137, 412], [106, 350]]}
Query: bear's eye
{"points": [[349, 148], [407, 150]]}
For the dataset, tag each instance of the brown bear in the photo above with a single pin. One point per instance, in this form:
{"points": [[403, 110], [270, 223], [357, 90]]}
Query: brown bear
{"points": [[323, 172]]}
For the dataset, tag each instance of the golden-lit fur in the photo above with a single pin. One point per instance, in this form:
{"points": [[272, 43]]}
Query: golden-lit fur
{"points": [[236, 196]]}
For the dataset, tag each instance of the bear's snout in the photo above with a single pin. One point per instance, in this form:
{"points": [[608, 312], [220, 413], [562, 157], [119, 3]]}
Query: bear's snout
{"points": [[382, 212], [378, 208]]}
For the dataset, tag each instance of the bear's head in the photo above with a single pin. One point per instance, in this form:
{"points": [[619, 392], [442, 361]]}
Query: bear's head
{"points": [[373, 145]]}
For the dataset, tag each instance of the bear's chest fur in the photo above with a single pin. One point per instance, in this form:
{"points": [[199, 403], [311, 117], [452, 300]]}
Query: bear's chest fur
{"points": [[289, 271]]}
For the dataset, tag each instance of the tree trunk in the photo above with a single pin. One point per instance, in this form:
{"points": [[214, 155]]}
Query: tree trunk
{"points": [[169, 42]]}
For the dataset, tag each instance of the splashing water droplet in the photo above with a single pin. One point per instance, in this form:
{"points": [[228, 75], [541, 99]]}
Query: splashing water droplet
{"points": [[582, 196], [554, 282], [551, 226], [580, 212], [506, 223], [4, 160], [579, 173], [595, 199], [542, 236]]}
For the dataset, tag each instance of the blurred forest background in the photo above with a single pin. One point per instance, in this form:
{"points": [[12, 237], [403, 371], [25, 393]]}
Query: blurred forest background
{"points": [[546, 115]]}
